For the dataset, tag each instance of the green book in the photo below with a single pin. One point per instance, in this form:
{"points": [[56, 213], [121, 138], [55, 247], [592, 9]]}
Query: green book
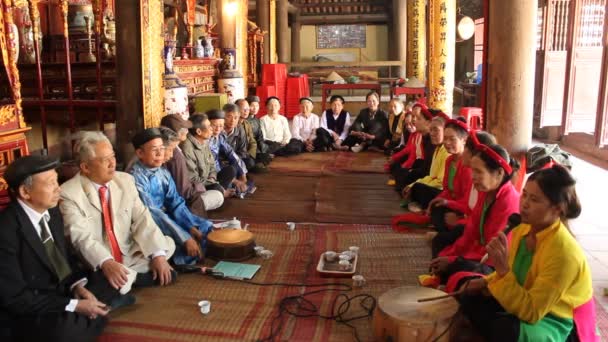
{"points": [[236, 270]]}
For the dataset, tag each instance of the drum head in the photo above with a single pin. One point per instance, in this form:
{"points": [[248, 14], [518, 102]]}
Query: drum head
{"points": [[230, 237], [402, 304]]}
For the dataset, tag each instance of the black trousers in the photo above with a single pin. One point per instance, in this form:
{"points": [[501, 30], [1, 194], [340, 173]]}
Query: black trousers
{"points": [[66, 326], [249, 162], [438, 218], [445, 238], [404, 177], [423, 194], [489, 318], [294, 147], [352, 140], [226, 176], [273, 146], [324, 141], [63, 326]]}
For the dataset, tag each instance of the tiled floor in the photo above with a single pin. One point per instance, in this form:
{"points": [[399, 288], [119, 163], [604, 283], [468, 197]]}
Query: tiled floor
{"points": [[591, 228]]}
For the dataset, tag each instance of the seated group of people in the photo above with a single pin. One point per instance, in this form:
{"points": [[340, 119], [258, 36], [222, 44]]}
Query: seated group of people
{"points": [[534, 284], [123, 228]]}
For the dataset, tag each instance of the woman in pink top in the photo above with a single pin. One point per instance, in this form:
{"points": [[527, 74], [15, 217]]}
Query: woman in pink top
{"points": [[492, 170]]}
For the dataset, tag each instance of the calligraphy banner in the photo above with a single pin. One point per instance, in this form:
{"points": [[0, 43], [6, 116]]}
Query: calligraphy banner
{"points": [[442, 53], [416, 43]]}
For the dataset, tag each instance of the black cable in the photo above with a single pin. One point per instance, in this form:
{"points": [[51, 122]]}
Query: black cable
{"points": [[301, 307]]}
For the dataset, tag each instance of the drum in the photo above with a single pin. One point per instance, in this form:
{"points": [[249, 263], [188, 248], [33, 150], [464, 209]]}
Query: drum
{"points": [[230, 244], [400, 318]]}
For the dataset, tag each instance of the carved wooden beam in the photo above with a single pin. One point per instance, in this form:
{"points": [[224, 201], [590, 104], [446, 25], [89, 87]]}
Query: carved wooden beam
{"points": [[344, 19]]}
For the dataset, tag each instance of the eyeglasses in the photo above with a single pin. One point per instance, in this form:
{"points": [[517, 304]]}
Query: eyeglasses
{"points": [[158, 149]]}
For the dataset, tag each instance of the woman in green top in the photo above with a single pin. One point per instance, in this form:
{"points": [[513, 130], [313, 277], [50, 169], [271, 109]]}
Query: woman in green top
{"points": [[542, 279]]}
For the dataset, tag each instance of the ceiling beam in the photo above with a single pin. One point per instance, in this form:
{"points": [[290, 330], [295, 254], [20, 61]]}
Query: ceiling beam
{"points": [[344, 19]]}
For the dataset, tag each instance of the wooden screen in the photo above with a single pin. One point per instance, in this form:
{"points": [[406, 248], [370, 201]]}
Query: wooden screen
{"points": [[586, 63], [552, 57]]}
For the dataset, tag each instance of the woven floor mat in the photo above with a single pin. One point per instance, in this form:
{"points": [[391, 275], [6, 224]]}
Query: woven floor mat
{"points": [[355, 198], [303, 163], [243, 312], [266, 210], [363, 162]]}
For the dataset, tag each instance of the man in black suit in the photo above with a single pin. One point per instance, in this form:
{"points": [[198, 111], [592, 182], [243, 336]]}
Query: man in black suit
{"points": [[42, 293]]}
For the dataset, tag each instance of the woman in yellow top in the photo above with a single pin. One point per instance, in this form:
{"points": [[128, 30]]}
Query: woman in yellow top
{"points": [[421, 192], [541, 285]]}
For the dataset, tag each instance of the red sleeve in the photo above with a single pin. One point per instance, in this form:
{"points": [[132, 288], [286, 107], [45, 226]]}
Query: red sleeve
{"points": [[468, 245], [445, 193], [463, 183], [402, 155]]}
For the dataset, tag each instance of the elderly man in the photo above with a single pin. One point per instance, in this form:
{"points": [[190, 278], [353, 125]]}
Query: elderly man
{"points": [[199, 198], [249, 109], [157, 190], [109, 225], [222, 151], [237, 136], [41, 289], [200, 161]]}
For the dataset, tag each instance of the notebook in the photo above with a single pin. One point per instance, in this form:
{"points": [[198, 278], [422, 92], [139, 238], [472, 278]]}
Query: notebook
{"points": [[236, 270]]}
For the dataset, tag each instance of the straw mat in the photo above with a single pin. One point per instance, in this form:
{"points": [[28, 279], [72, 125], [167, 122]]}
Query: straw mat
{"points": [[243, 312]]}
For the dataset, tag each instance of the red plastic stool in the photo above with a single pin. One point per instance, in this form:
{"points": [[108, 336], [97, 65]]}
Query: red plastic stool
{"points": [[473, 115]]}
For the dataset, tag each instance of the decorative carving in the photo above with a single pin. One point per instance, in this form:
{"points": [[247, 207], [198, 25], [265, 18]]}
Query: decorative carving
{"points": [[7, 114], [3, 184]]}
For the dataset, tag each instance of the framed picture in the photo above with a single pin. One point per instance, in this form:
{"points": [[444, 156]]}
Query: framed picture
{"points": [[340, 36]]}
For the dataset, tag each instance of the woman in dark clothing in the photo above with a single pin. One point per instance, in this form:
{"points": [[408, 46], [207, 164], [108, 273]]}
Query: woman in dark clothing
{"points": [[370, 128]]}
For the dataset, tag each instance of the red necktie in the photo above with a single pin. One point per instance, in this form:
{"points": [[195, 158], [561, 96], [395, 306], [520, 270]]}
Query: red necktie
{"points": [[107, 225]]}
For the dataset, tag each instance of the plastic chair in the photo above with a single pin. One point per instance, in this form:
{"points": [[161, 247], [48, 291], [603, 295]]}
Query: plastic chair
{"points": [[473, 115]]}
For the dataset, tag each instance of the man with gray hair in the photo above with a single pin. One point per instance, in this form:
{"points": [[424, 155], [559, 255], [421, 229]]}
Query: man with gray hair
{"points": [[109, 225]]}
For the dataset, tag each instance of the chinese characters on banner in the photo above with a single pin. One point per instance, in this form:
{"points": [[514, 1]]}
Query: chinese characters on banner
{"points": [[442, 40], [416, 48]]}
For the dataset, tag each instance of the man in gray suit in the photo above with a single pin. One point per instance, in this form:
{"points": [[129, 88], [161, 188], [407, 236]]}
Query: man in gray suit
{"points": [[109, 225]]}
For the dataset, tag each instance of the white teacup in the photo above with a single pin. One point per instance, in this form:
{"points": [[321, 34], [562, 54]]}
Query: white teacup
{"points": [[330, 256]]}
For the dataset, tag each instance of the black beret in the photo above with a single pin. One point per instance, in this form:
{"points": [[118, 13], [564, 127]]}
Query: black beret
{"points": [[336, 97], [272, 98], [253, 98], [215, 114], [306, 99], [144, 136], [27, 166]]}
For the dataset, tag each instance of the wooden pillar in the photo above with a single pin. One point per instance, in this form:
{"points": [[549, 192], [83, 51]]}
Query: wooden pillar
{"points": [[442, 54], [416, 32], [282, 31], [272, 32], [295, 39], [263, 21], [511, 63], [400, 33], [140, 91]]}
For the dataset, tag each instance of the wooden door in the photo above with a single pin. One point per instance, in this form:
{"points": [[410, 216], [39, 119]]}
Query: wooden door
{"points": [[552, 52], [583, 84], [601, 136]]}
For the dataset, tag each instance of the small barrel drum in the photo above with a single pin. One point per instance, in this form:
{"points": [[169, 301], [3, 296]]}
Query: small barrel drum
{"points": [[400, 318], [230, 244]]}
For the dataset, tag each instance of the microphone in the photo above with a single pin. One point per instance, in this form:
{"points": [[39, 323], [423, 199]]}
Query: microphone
{"points": [[513, 221]]}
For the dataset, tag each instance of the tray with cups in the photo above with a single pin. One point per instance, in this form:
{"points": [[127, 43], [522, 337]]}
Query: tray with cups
{"points": [[333, 264]]}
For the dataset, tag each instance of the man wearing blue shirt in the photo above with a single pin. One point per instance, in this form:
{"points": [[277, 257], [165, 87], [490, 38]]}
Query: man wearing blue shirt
{"points": [[158, 192]]}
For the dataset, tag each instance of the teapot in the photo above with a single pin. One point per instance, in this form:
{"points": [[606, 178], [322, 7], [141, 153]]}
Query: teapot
{"points": [[234, 223]]}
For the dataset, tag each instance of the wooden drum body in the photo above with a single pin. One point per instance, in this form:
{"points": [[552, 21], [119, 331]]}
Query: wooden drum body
{"points": [[230, 244], [400, 318]]}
